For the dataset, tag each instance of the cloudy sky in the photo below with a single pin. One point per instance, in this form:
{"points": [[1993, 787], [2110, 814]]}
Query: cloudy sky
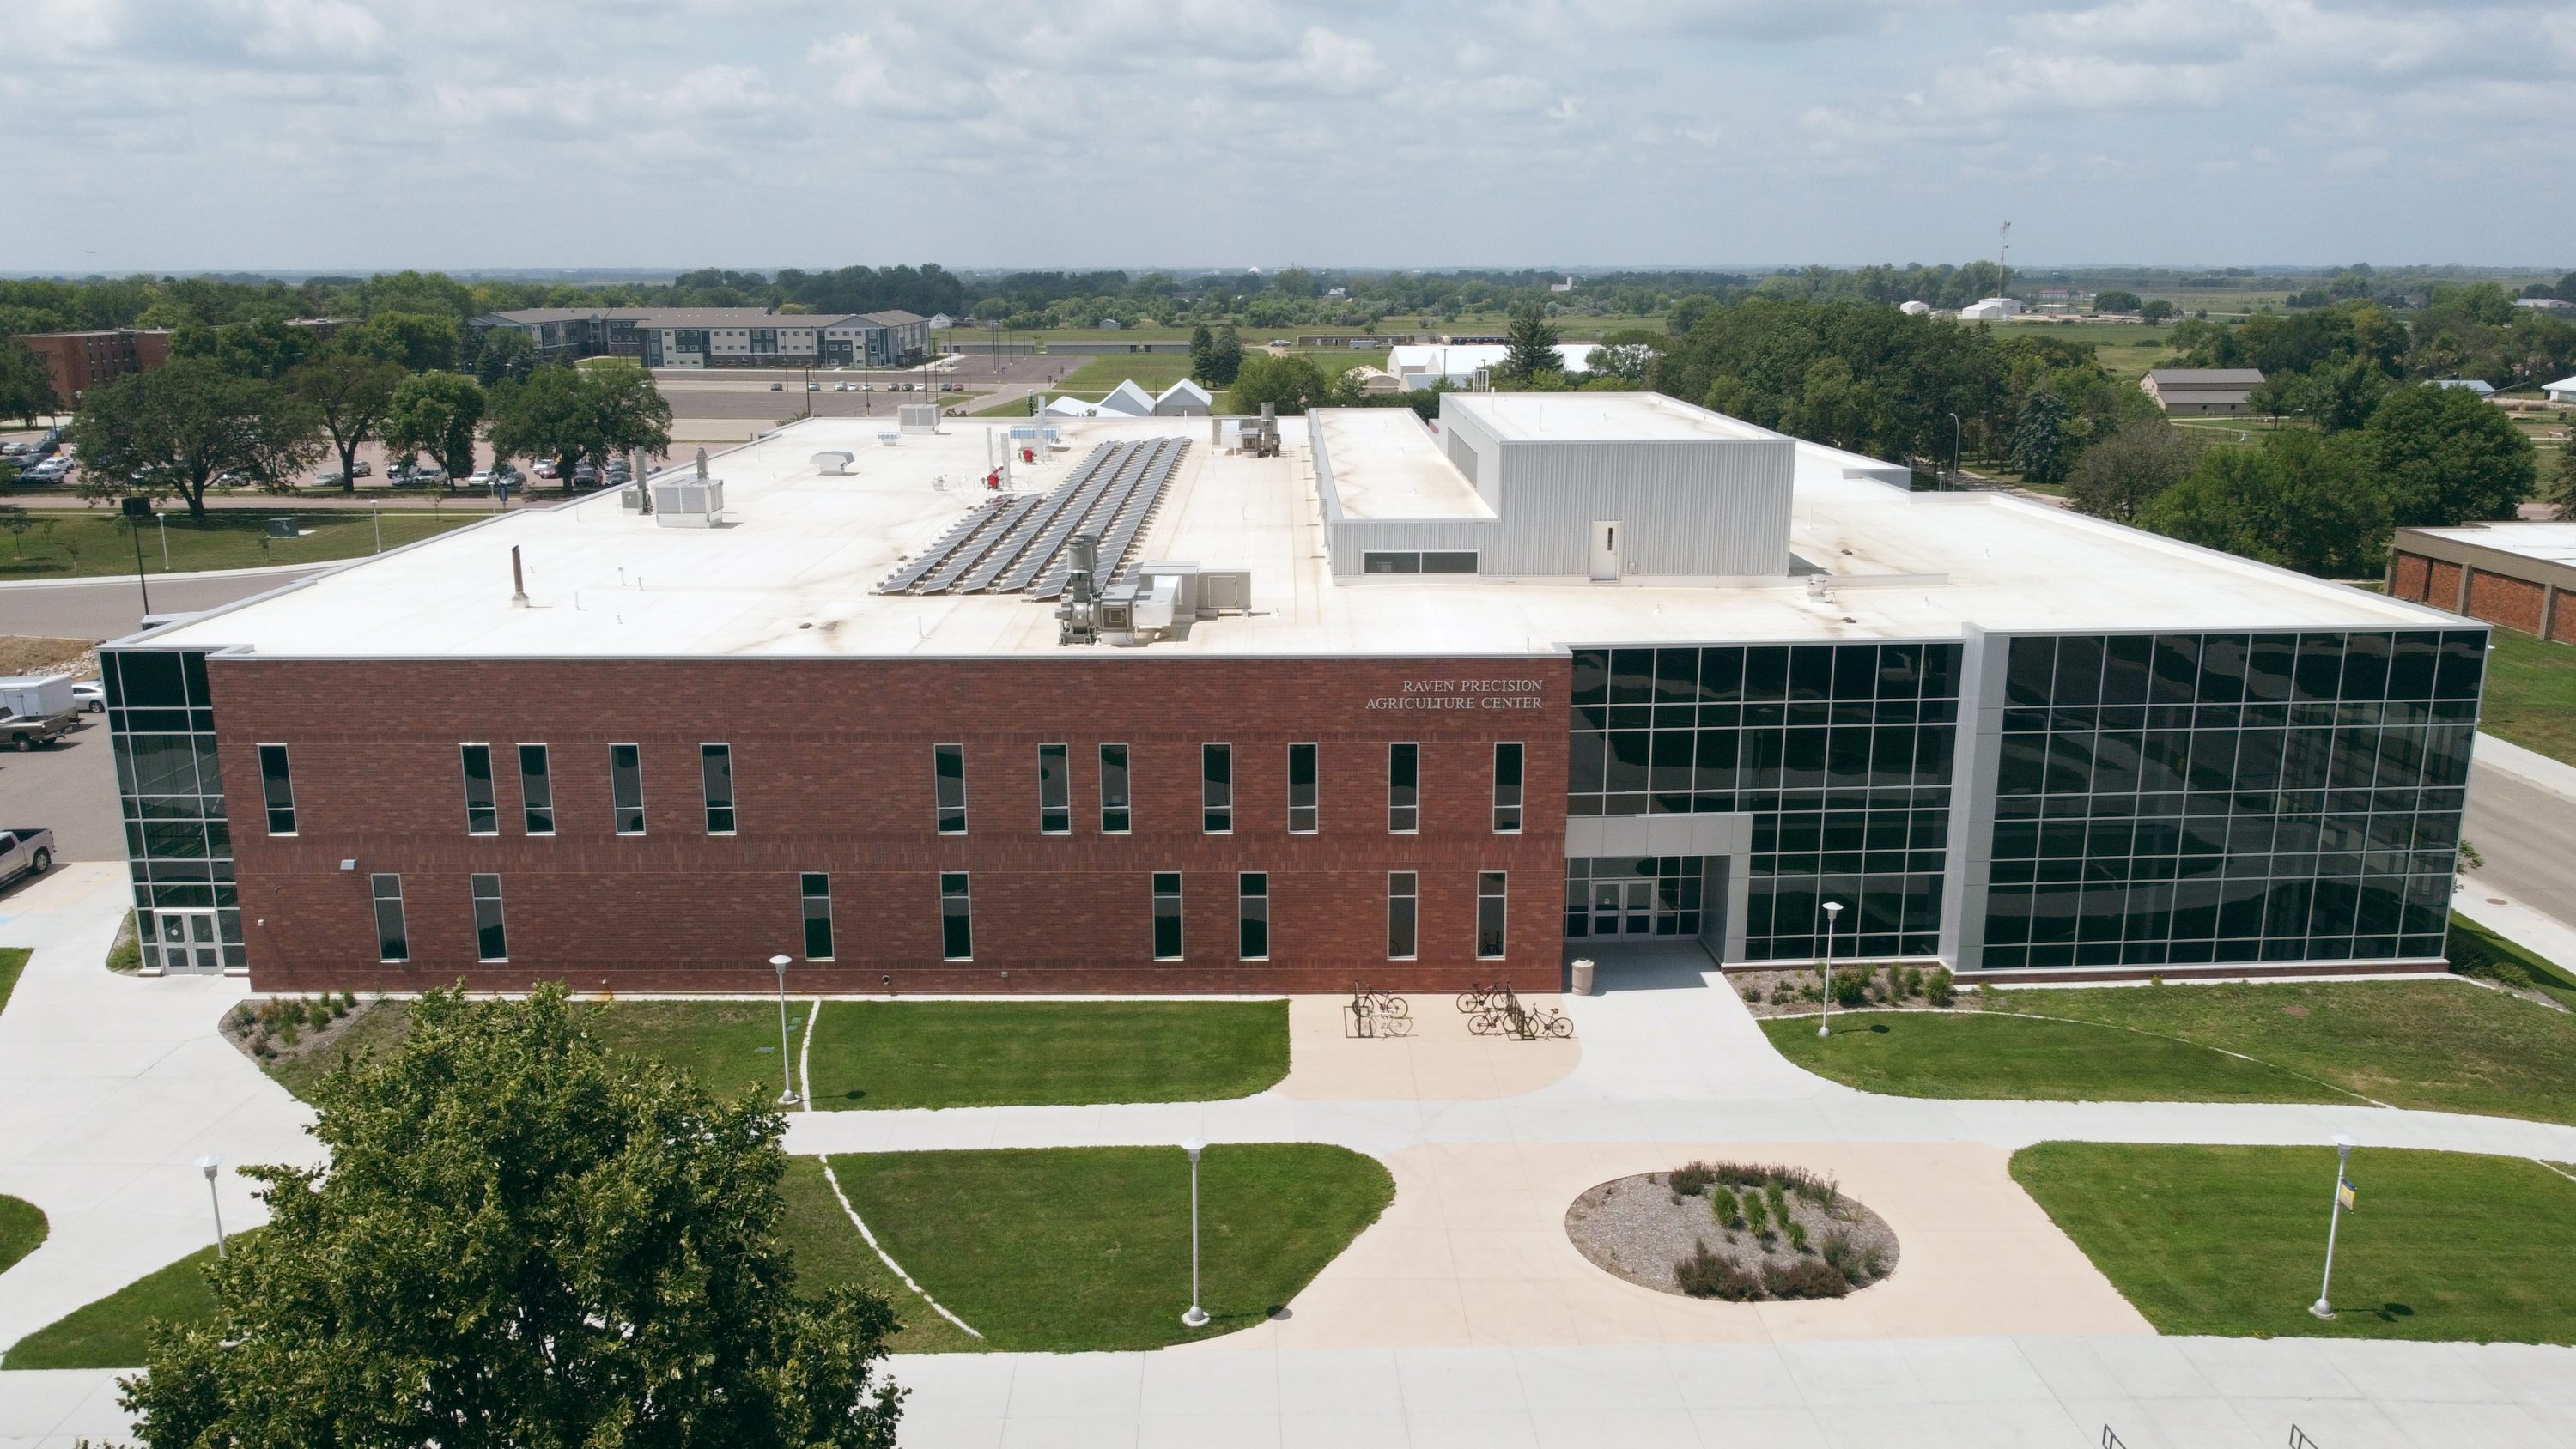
{"points": [[184, 134]]}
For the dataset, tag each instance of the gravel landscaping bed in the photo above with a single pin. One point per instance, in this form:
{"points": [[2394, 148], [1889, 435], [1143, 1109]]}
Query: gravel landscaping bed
{"points": [[1732, 1230], [1896, 986]]}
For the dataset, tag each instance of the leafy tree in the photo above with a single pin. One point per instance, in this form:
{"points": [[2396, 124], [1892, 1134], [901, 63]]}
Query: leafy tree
{"points": [[1529, 345], [2446, 456], [1202, 342], [2042, 450], [437, 413], [572, 413], [2561, 489], [349, 393], [505, 354], [522, 1238], [266, 349], [174, 430], [26, 384], [1216, 355], [2116, 302], [1291, 384], [417, 340], [2159, 310], [2297, 499], [2124, 468]]}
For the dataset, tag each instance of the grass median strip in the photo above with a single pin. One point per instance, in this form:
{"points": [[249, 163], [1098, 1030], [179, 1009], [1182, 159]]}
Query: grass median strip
{"points": [[13, 964], [22, 1229], [110, 1333], [2231, 1240], [1080, 1249], [58, 543], [2446, 1046], [887, 1054]]}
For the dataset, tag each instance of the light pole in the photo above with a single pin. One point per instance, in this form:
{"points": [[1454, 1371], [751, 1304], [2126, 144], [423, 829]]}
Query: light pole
{"points": [[786, 1064], [2334, 1219], [1197, 1316], [1833, 910], [210, 1164], [1954, 450], [164, 520]]}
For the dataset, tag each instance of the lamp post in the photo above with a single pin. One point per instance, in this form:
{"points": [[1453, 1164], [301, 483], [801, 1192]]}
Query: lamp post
{"points": [[1833, 910], [1197, 1316], [2334, 1219], [786, 1065], [210, 1164], [1954, 450]]}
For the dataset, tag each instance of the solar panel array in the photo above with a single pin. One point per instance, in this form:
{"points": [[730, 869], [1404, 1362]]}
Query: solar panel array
{"points": [[1009, 545]]}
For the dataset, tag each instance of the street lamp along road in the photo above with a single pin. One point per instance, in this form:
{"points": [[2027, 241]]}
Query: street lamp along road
{"points": [[1833, 910], [2322, 1308], [1197, 1316], [786, 1064], [210, 1164]]}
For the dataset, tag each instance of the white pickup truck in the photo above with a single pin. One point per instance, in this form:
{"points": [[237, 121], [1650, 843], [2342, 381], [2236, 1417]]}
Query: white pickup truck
{"points": [[25, 851]]}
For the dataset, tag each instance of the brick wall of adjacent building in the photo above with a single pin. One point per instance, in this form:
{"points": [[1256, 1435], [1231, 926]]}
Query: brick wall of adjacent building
{"points": [[81, 360], [2442, 586], [2502, 599], [2409, 576], [833, 772]]}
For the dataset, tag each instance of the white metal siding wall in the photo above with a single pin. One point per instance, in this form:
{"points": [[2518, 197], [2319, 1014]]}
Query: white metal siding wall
{"points": [[1474, 452], [1700, 507]]}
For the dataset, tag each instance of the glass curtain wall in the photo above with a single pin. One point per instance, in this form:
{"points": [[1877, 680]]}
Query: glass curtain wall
{"points": [[161, 725], [2230, 797], [1840, 752]]}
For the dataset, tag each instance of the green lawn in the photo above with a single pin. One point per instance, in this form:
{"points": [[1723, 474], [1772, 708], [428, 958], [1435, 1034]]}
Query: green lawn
{"points": [[13, 961], [63, 543], [2479, 951], [2531, 694], [2231, 1240], [883, 1054], [1929, 1054], [22, 1229], [110, 1332], [726, 1045], [1153, 371], [2436, 1045], [1088, 1248], [831, 1254]]}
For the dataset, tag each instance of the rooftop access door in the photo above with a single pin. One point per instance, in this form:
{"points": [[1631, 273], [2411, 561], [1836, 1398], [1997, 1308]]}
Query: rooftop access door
{"points": [[1606, 544]]}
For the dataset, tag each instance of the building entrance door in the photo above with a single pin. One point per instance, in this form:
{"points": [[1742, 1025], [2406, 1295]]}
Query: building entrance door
{"points": [[1606, 544], [189, 941]]}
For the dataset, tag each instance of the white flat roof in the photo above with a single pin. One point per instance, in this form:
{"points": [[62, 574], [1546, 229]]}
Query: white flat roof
{"points": [[1596, 417], [1386, 464], [793, 572], [2548, 542]]}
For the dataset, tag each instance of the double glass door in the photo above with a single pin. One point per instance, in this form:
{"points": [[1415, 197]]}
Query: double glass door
{"points": [[1623, 908], [188, 941]]}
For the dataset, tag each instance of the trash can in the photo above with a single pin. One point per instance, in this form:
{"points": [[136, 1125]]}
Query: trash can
{"points": [[1583, 979]]}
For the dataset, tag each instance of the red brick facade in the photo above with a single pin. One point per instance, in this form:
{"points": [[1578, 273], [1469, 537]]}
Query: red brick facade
{"points": [[79, 361], [2442, 587], [2500, 599], [2409, 576], [833, 772]]}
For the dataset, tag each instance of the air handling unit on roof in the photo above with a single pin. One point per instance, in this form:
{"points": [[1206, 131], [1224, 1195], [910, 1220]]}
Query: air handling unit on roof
{"points": [[917, 417], [692, 500]]}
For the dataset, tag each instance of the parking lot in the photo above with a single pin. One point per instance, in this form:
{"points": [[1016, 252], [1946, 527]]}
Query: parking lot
{"points": [[69, 789]]}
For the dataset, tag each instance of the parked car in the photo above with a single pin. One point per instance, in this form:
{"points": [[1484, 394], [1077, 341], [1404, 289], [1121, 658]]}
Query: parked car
{"points": [[778, 387], [585, 476], [25, 850], [364, 469], [545, 467], [35, 732], [480, 481], [90, 698], [52, 470]]}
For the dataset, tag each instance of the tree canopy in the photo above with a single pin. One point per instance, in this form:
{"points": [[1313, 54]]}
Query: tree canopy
{"points": [[349, 394], [1529, 346], [2298, 499], [2446, 456], [26, 385], [1290, 384], [572, 413], [174, 430], [438, 413], [522, 1238]]}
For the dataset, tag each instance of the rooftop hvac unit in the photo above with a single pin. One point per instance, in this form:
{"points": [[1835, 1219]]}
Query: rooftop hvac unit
{"points": [[688, 501], [917, 417], [835, 464], [889, 437]]}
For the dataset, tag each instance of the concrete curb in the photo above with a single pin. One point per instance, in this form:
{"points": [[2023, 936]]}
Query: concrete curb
{"points": [[126, 581], [2529, 766]]}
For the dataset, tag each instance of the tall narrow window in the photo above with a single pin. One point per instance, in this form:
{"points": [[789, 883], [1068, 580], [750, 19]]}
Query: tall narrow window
{"points": [[491, 938], [1492, 898], [1055, 791], [277, 785], [393, 942], [956, 917], [948, 768], [1252, 915], [1403, 914], [482, 807], [1114, 810], [1216, 789], [1404, 788], [1167, 915], [536, 790], [816, 889], [1507, 789], [1303, 812], [626, 787], [715, 766]]}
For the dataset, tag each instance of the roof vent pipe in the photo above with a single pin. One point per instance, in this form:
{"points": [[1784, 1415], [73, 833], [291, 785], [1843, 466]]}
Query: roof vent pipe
{"points": [[518, 581]]}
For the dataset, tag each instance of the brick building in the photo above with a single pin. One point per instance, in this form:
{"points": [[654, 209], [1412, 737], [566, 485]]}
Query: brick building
{"points": [[79, 360], [2514, 574], [1162, 710]]}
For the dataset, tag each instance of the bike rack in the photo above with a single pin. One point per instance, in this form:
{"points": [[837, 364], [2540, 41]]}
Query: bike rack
{"points": [[1378, 1013]]}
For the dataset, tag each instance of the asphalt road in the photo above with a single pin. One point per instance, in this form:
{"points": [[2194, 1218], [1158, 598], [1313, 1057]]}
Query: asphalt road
{"points": [[111, 607], [2528, 837]]}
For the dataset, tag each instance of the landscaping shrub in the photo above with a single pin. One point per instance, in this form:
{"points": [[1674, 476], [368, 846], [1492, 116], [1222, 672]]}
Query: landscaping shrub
{"points": [[1851, 985], [1692, 1178], [1939, 988], [1723, 1206], [1858, 1266], [1756, 1216], [1706, 1275], [1914, 981], [2475, 954], [1778, 1200], [1782, 993], [1797, 1234], [1804, 1278]]}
